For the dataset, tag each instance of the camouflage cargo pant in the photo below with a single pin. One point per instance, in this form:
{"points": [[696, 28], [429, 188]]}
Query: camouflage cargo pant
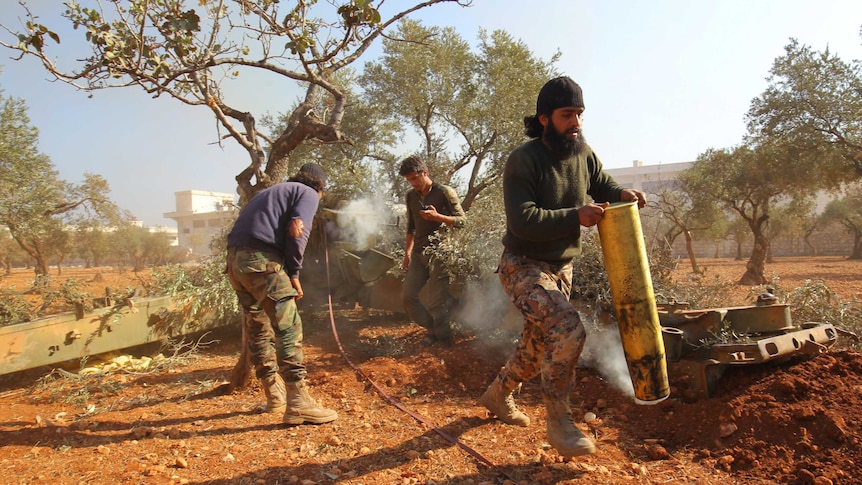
{"points": [[553, 335], [272, 321]]}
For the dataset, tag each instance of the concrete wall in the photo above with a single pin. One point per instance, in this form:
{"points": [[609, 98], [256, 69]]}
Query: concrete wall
{"points": [[833, 241]]}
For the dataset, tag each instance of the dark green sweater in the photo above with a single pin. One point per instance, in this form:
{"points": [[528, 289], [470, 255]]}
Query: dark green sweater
{"points": [[542, 195]]}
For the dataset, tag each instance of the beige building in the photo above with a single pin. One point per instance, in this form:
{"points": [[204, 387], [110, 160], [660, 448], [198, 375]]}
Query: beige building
{"points": [[200, 215], [652, 178], [169, 232], [649, 178]]}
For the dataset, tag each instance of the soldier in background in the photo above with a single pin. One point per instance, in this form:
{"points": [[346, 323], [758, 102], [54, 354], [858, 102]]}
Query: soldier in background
{"points": [[430, 207]]}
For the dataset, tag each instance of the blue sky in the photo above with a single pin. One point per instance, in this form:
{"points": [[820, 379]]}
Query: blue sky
{"points": [[663, 81]]}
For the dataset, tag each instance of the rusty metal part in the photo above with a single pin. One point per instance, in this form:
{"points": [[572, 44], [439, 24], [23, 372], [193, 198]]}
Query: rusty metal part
{"points": [[701, 324], [807, 340], [714, 339]]}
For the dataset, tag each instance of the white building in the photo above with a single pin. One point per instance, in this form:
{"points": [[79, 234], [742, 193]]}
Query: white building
{"points": [[652, 178], [169, 232], [649, 178], [200, 215]]}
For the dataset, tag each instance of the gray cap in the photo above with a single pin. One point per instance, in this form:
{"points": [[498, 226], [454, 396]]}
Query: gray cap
{"points": [[314, 171]]}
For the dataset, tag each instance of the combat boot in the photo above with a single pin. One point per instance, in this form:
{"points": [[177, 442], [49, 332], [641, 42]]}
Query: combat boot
{"points": [[499, 401], [563, 435], [276, 394], [302, 408]]}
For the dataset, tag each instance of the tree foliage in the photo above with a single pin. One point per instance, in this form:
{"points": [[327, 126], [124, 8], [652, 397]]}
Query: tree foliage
{"points": [[805, 135], [791, 220], [192, 54], [36, 201], [685, 216], [352, 167], [813, 106], [10, 252], [138, 247], [749, 181], [847, 211], [466, 107]]}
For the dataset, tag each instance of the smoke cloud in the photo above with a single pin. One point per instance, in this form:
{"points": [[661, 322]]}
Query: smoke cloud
{"points": [[359, 222], [486, 307], [603, 352]]}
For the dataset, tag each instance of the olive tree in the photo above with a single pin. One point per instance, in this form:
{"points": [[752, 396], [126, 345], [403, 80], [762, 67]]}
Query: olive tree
{"points": [[749, 181], [847, 211], [192, 53], [467, 107], [685, 217], [36, 201], [813, 103]]}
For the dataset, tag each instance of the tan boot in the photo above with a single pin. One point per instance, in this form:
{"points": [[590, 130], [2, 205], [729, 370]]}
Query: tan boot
{"points": [[499, 401], [276, 394], [562, 433], [302, 408]]}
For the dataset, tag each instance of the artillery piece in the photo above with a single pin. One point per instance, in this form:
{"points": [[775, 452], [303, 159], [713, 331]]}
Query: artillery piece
{"points": [[347, 257], [702, 344]]}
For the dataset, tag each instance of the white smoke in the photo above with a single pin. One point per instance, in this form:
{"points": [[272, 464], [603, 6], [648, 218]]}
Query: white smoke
{"points": [[485, 307], [360, 221], [603, 352]]}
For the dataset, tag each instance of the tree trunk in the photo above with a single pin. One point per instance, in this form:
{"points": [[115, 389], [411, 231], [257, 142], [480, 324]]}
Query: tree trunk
{"points": [[41, 266], [755, 267], [241, 377], [857, 246], [812, 251], [690, 250]]}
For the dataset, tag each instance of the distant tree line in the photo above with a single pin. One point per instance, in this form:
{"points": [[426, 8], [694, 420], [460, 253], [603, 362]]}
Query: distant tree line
{"points": [[125, 247]]}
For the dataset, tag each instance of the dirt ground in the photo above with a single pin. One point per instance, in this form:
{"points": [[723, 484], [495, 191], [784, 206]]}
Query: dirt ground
{"points": [[408, 415]]}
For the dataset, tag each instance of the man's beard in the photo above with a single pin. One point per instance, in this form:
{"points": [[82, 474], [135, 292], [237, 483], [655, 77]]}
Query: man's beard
{"points": [[560, 144]]}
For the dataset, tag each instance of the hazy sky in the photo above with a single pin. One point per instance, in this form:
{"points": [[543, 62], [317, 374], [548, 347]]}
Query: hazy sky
{"points": [[663, 81]]}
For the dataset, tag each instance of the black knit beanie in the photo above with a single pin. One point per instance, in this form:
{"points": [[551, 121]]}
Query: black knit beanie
{"points": [[313, 171], [559, 92]]}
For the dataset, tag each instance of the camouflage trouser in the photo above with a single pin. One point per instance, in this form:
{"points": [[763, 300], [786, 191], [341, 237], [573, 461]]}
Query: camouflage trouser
{"points": [[436, 317], [553, 335], [272, 322]]}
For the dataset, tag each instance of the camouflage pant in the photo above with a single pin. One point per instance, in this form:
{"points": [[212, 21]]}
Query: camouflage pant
{"points": [[272, 323], [553, 335]]}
